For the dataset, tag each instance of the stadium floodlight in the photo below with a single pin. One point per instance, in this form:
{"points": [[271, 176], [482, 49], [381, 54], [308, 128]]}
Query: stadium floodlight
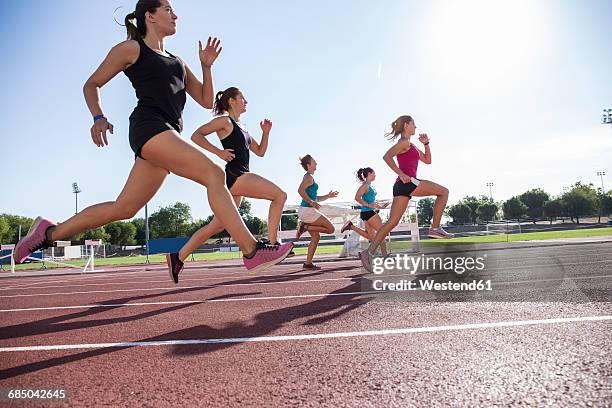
{"points": [[601, 174], [76, 190], [607, 117], [490, 185]]}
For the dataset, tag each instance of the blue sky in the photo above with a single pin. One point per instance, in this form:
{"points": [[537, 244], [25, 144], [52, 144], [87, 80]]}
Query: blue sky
{"points": [[509, 92]]}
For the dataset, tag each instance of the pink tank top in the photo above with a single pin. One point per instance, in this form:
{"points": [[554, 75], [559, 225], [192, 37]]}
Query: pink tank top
{"points": [[409, 161]]}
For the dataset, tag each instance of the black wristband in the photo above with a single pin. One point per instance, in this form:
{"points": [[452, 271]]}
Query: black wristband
{"points": [[426, 144]]}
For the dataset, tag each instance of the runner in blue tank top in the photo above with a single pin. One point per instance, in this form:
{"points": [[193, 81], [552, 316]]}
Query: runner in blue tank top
{"points": [[311, 219], [366, 196]]}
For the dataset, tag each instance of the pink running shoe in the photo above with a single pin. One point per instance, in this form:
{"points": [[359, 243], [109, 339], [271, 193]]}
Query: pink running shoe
{"points": [[347, 226], [35, 239], [267, 256], [302, 228], [439, 233]]}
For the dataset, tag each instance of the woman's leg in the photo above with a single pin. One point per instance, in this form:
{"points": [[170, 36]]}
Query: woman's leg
{"points": [[253, 186], [142, 184], [167, 150], [372, 226], [201, 235], [429, 188], [363, 233], [321, 224], [312, 247], [398, 208]]}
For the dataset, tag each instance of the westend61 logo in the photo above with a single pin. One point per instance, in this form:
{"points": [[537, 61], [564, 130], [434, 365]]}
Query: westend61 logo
{"points": [[411, 264], [428, 265]]}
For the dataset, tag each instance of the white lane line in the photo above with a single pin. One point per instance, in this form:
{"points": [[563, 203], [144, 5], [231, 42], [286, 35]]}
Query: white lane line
{"points": [[317, 336], [115, 276], [179, 288], [182, 302], [179, 302], [207, 278]]}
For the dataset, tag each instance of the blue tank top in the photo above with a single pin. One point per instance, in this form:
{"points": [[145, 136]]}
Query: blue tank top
{"points": [[311, 192], [369, 197]]}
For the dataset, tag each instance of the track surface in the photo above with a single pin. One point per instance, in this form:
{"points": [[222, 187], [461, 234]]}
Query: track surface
{"points": [[291, 337]]}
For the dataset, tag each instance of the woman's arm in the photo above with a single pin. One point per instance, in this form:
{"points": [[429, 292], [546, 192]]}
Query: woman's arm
{"points": [[260, 148], [119, 58], [400, 147], [203, 94], [307, 182], [220, 125], [425, 157], [360, 192], [331, 194]]}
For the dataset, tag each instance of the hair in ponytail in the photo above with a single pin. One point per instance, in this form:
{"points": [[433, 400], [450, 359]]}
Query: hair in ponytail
{"points": [[397, 127], [363, 173], [305, 161], [135, 21], [222, 105]]}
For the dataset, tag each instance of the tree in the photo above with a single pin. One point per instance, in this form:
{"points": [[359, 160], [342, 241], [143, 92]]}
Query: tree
{"points": [[581, 200], [425, 210], [487, 211], [514, 208], [121, 233], [256, 225], [96, 233], [460, 213], [4, 230], [245, 208], [14, 221], [171, 221], [552, 209], [139, 225], [605, 203], [289, 222], [534, 201], [473, 203], [202, 223]]}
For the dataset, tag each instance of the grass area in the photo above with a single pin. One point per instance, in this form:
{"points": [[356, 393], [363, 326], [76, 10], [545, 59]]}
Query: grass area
{"points": [[334, 249]]}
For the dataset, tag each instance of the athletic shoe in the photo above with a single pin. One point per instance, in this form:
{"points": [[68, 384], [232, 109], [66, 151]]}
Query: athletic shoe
{"points": [[311, 267], [439, 233], [175, 266], [266, 241], [347, 226], [366, 260], [266, 256], [35, 239], [301, 230]]}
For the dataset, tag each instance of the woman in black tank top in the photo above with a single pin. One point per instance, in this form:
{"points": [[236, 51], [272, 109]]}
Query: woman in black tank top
{"points": [[237, 144], [161, 81]]}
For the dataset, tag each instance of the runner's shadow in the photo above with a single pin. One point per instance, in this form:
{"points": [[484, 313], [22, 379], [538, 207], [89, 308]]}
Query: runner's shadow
{"points": [[61, 323], [265, 323], [321, 310]]}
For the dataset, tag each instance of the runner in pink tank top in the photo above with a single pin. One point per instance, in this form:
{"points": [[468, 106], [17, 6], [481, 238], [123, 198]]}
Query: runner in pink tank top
{"points": [[408, 161], [407, 184]]}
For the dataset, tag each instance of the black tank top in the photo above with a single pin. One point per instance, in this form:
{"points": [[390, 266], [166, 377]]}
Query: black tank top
{"points": [[159, 82], [240, 141]]}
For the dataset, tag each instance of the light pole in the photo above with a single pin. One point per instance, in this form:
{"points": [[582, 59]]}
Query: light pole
{"points": [[76, 190], [601, 174], [490, 184], [607, 117]]}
